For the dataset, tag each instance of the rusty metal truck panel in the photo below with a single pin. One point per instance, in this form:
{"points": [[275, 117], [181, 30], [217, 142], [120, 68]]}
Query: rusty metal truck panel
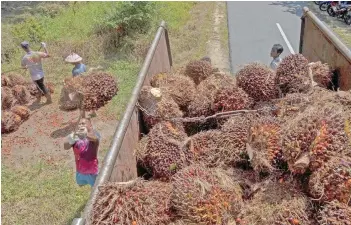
{"points": [[119, 163], [319, 43]]}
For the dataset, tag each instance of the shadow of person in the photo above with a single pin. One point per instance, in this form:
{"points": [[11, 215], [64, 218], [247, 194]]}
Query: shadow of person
{"points": [[63, 132], [35, 106]]}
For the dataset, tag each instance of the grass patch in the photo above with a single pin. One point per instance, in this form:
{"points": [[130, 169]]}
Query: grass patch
{"points": [[345, 35], [41, 194]]}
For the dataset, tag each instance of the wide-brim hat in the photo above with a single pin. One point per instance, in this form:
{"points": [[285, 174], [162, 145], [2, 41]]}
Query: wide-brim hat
{"points": [[73, 58]]}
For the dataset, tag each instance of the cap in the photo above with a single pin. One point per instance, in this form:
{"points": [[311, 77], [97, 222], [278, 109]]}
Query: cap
{"points": [[24, 44], [73, 58]]}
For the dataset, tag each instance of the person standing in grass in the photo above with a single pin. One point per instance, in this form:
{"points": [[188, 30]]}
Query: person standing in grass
{"points": [[33, 61], [85, 143], [78, 69], [276, 51]]}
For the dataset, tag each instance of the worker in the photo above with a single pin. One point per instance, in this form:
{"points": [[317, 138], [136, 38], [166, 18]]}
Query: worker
{"points": [[76, 60], [78, 69], [85, 143], [276, 51], [33, 61]]}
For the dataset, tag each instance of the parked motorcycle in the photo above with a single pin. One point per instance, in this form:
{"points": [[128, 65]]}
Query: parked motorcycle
{"points": [[323, 6], [347, 17], [317, 3], [337, 10]]}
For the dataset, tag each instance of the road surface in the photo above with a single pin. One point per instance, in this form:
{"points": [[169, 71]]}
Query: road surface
{"points": [[254, 27]]}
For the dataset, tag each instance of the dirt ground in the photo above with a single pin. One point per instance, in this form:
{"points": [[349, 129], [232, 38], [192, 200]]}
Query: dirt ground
{"points": [[43, 134]]}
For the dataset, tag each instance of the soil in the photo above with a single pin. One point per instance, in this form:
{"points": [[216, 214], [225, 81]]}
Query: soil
{"points": [[43, 134], [218, 54]]}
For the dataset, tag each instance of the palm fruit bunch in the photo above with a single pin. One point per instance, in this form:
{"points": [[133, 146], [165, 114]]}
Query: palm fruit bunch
{"points": [[292, 74], [34, 91], [9, 122], [291, 104], [334, 213], [134, 202], [313, 137], [258, 81], [180, 88], [322, 73], [332, 181], [7, 99], [265, 143], [276, 203], [206, 91], [5, 81], [198, 70], [205, 196], [162, 152], [157, 106], [22, 111], [98, 89], [230, 99], [16, 79], [215, 148], [21, 94]]}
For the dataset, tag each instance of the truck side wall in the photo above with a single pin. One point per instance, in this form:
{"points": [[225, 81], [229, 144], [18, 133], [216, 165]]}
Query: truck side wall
{"points": [[318, 43], [125, 167]]}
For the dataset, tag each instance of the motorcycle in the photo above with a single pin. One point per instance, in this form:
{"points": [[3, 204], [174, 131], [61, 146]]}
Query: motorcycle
{"points": [[347, 17], [323, 6], [337, 10], [317, 3]]}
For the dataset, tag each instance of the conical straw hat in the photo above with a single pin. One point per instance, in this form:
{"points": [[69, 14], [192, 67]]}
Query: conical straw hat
{"points": [[73, 58]]}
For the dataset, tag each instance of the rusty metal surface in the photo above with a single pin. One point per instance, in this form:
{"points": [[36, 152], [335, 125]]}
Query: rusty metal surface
{"points": [[318, 43], [119, 163]]}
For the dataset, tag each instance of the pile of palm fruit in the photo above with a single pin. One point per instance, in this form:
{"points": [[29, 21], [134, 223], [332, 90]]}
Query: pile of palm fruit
{"points": [[278, 150], [16, 94]]}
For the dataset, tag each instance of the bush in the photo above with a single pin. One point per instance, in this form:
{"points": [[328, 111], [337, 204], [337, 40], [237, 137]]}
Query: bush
{"points": [[31, 30], [128, 18]]}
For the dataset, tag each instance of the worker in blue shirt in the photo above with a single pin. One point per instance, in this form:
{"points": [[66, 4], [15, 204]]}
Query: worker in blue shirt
{"points": [[76, 60]]}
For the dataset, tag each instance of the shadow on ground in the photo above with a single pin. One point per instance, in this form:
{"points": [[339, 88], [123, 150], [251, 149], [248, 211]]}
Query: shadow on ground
{"points": [[63, 132], [295, 8]]}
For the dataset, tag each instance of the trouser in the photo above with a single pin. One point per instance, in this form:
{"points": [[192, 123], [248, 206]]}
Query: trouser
{"points": [[41, 87]]}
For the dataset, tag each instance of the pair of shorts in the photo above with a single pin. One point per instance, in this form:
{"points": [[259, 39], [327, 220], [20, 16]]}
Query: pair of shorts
{"points": [[84, 179], [40, 85]]}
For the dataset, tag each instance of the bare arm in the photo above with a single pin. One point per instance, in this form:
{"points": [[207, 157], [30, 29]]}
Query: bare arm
{"points": [[67, 145], [91, 134], [46, 52], [69, 142]]}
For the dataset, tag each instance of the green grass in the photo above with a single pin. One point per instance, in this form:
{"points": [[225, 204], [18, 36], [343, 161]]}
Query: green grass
{"points": [[41, 194], [345, 35]]}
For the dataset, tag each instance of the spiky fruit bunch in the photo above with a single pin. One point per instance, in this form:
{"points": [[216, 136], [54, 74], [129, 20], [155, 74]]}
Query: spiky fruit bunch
{"points": [[7, 99], [65, 102], [98, 89], [265, 144], [332, 181], [205, 196], [16, 79], [9, 122], [135, 202], [292, 74], [181, 88], [5, 81], [21, 94], [276, 203], [157, 108], [198, 70], [215, 148], [258, 81], [313, 137], [34, 91], [334, 213], [231, 99], [161, 152], [291, 104], [322, 73], [22, 111]]}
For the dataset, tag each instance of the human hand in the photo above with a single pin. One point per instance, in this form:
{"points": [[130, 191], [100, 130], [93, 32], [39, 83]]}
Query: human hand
{"points": [[43, 44]]}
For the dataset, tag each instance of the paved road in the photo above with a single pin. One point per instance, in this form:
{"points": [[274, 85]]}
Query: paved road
{"points": [[253, 29]]}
